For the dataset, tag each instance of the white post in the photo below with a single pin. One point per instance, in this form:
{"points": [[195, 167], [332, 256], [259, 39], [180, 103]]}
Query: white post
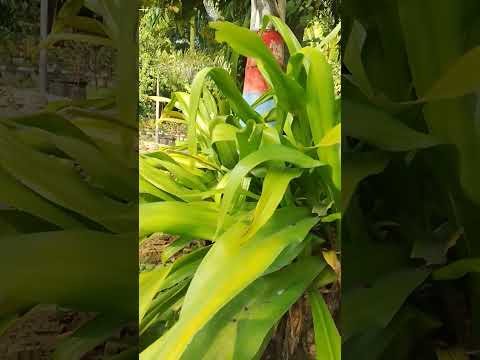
{"points": [[42, 63], [157, 110]]}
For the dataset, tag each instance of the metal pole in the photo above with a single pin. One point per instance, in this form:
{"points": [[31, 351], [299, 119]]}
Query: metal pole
{"points": [[42, 63]]}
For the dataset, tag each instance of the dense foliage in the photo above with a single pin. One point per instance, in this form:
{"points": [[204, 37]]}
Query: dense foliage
{"points": [[166, 51], [163, 57], [263, 191], [410, 243], [68, 189], [18, 18]]}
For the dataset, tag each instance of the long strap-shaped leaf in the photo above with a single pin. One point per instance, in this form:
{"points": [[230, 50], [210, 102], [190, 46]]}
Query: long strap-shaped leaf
{"points": [[87, 338], [182, 174], [457, 269], [376, 306], [162, 180], [149, 285], [274, 187], [173, 217], [327, 338], [266, 153], [238, 331], [379, 128], [429, 58], [146, 187], [15, 194], [460, 79], [70, 273], [357, 167], [321, 109], [229, 89], [229, 267], [290, 94], [41, 173]]}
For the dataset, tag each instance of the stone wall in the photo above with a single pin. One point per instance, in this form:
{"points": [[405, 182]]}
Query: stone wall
{"points": [[162, 138], [22, 73]]}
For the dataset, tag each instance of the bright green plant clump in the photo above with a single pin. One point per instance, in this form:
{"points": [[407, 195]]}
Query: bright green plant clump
{"points": [[263, 191]]}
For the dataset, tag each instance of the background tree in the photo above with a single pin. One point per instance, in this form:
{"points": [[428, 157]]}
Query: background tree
{"points": [[167, 31]]}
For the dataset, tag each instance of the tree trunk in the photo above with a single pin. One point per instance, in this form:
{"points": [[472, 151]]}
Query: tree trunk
{"points": [[255, 84], [260, 8]]}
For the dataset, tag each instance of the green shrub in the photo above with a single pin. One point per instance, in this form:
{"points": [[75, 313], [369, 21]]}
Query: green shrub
{"points": [[262, 190]]}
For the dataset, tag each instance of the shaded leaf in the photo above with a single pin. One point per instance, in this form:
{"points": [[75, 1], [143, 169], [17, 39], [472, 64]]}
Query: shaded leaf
{"points": [[457, 269]]}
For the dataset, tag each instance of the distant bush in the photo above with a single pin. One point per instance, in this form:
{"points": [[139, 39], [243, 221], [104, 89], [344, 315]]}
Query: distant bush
{"points": [[159, 56]]}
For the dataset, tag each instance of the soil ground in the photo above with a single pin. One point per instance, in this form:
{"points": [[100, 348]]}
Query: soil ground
{"points": [[36, 334]]}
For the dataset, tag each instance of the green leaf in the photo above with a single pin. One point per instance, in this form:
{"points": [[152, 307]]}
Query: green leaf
{"points": [[82, 24], [239, 329], [14, 193], [379, 128], [321, 109], [327, 338], [352, 57], [70, 273], [357, 167], [86, 338], [249, 138], [160, 305], [223, 132], [185, 266], [18, 222], [150, 283], [332, 217], [54, 38], [230, 266], [374, 343], [180, 173], [452, 354], [460, 79], [428, 58], [146, 187], [73, 193], [196, 219], [374, 307], [129, 354], [162, 180], [245, 42], [457, 269], [274, 187], [70, 8], [175, 246], [115, 179], [266, 153], [332, 137], [51, 122], [228, 88]]}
